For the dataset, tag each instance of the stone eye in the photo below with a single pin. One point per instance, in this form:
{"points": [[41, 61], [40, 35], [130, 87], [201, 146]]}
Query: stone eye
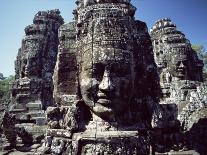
{"points": [[98, 70], [178, 63], [184, 62], [120, 70]]}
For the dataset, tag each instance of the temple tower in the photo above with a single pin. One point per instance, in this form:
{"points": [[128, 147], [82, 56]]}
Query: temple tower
{"points": [[34, 66], [103, 97]]}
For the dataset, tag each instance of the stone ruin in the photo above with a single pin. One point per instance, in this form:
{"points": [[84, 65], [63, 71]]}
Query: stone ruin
{"points": [[35, 63], [98, 52], [102, 85], [181, 81], [34, 67], [174, 56]]}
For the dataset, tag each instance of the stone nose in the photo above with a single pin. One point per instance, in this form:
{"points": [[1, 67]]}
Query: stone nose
{"points": [[181, 65], [106, 83]]}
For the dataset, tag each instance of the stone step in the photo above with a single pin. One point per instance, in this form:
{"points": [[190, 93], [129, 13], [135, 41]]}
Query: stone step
{"points": [[36, 114], [14, 111], [40, 120], [33, 128], [189, 152], [34, 105], [59, 133], [18, 106]]}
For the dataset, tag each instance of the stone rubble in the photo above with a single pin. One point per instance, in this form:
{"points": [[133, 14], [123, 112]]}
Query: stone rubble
{"points": [[103, 85]]}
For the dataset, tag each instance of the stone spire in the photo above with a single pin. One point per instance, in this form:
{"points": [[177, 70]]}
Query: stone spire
{"points": [[105, 59], [36, 61], [173, 52]]}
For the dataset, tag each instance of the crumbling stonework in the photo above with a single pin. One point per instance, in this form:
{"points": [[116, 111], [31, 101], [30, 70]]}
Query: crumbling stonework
{"points": [[36, 61], [181, 80], [105, 66], [33, 87], [174, 57], [171, 44], [117, 90], [64, 78]]}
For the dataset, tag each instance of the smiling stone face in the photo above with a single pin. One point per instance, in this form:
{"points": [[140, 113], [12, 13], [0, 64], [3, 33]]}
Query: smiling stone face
{"points": [[31, 58], [106, 81], [179, 66], [115, 59]]}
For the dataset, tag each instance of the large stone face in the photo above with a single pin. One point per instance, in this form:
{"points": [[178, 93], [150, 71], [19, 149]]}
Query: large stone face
{"points": [[173, 53], [175, 59], [104, 61], [111, 59], [116, 89]]}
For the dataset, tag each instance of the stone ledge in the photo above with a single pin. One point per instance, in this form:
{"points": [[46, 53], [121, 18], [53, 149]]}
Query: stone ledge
{"points": [[189, 152], [59, 133], [105, 135]]}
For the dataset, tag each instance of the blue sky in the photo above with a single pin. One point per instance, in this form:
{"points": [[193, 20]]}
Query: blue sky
{"points": [[190, 16]]}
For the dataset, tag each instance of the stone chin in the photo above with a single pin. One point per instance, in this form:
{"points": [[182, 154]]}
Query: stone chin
{"points": [[99, 109], [181, 73], [102, 111]]}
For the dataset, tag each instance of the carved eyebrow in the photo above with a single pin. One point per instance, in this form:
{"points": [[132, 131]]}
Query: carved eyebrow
{"points": [[98, 64], [120, 63]]}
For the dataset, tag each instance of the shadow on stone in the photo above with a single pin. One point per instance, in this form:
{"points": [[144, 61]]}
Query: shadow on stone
{"points": [[197, 136]]}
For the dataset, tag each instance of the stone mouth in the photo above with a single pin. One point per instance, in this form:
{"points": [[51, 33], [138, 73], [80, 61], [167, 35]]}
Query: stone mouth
{"points": [[104, 101], [181, 70]]}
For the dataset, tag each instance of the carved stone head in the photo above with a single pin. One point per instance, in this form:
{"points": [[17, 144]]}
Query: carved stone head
{"points": [[31, 60], [107, 81], [179, 66], [110, 59]]}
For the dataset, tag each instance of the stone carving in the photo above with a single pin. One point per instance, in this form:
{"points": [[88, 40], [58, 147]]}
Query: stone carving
{"points": [[93, 2], [174, 56], [33, 88], [11, 130], [8, 122], [181, 80], [64, 78], [106, 65], [173, 51], [36, 60], [62, 118], [117, 90]]}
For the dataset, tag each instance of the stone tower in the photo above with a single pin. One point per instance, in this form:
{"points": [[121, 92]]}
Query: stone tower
{"points": [[104, 102], [171, 44], [174, 56], [35, 63], [181, 81], [106, 86]]}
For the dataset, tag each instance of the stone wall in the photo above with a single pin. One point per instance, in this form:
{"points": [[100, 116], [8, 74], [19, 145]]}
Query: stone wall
{"points": [[117, 90], [65, 73]]}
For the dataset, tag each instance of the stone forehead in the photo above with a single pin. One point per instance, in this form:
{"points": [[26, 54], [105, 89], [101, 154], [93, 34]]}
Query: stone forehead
{"points": [[106, 54], [179, 52], [180, 57]]}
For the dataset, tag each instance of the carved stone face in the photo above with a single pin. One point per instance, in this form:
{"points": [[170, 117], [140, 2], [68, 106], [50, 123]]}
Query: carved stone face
{"points": [[179, 66], [31, 68], [31, 60], [106, 81]]}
